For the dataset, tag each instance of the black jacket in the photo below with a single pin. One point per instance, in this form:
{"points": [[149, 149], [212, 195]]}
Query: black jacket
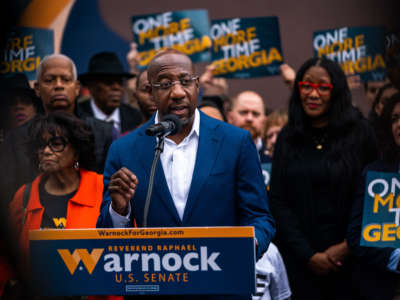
{"points": [[375, 281], [130, 117], [18, 169]]}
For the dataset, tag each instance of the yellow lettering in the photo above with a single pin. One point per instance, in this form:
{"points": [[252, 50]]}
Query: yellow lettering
{"points": [[323, 51], [16, 65], [378, 200], [15, 43], [274, 55], [359, 40], [251, 33], [388, 232], [378, 62], [338, 45], [348, 44], [372, 233], [184, 24]]}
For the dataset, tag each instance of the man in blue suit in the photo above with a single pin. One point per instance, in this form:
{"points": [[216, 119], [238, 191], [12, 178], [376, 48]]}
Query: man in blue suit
{"points": [[208, 174]]}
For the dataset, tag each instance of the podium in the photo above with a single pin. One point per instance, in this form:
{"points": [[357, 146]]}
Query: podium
{"points": [[143, 261]]}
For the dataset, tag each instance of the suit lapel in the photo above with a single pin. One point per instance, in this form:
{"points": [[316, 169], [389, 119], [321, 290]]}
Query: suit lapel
{"points": [[123, 118], [160, 187], [209, 144]]}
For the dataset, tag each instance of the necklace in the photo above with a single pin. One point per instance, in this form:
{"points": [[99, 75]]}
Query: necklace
{"points": [[319, 140]]}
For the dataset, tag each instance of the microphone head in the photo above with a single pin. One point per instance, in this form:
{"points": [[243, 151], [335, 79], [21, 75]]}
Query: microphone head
{"points": [[174, 119]]}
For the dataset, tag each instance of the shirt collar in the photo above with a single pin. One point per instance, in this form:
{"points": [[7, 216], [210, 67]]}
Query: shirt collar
{"points": [[98, 114], [195, 126], [259, 144]]}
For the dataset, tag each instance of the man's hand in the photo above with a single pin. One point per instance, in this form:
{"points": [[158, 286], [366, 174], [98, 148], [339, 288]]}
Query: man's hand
{"points": [[320, 264], [338, 253], [211, 85], [122, 187]]}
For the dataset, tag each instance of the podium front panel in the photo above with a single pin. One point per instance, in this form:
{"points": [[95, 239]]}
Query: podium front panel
{"points": [[154, 261]]}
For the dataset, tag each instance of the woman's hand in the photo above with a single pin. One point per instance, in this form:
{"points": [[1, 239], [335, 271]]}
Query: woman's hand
{"points": [[122, 187], [338, 253], [321, 264]]}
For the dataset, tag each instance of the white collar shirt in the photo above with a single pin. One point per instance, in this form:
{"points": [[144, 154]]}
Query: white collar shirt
{"points": [[178, 162], [114, 117]]}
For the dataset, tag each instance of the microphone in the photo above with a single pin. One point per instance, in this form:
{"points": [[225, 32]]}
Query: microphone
{"points": [[170, 125]]}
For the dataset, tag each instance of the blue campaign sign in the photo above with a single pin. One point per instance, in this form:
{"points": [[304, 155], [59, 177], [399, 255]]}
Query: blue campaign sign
{"points": [[25, 48], [186, 31], [153, 261], [381, 215], [359, 50], [246, 47]]}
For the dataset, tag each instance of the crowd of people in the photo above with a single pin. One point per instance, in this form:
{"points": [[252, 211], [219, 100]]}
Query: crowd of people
{"points": [[76, 155]]}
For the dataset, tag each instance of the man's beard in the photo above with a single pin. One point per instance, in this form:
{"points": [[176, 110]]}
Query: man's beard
{"points": [[253, 131]]}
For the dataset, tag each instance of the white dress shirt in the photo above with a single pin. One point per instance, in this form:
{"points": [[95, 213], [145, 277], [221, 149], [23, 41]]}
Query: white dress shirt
{"points": [[178, 162], [99, 114]]}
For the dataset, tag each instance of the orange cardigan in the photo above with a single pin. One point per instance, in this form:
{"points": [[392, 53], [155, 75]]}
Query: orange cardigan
{"points": [[82, 211]]}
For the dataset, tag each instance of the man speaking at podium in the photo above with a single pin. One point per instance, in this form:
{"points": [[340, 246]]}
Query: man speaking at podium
{"points": [[208, 174]]}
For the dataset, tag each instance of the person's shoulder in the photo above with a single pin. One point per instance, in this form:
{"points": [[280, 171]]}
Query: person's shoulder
{"points": [[91, 174], [134, 135], [96, 124], [85, 104]]}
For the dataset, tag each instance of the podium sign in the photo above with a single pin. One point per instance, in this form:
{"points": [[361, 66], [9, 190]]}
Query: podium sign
{"points": [[154, 261]]}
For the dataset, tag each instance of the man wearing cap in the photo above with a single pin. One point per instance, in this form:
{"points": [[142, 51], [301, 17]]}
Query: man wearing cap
{"points": [[105, 80]]}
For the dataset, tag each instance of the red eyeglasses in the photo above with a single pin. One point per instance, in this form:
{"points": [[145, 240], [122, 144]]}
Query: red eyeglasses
{"points": [[323, 89]]}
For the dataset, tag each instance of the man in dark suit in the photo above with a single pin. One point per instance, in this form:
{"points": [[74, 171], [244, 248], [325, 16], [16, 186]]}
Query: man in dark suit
{"points": [[209, 174], [105, 81]]}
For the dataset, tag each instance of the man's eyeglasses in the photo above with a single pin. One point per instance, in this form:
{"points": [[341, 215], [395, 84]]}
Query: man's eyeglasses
{"points": [[167, 84], [323, 89], [56, 144]]}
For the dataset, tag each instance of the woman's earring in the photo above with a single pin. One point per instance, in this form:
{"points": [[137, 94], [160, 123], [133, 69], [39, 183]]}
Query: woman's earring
{"points": [[76, 165]]}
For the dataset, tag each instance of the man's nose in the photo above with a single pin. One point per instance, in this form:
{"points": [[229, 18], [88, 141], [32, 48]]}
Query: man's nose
{"points": [[249, 117], [59, 84], [177, 91]]}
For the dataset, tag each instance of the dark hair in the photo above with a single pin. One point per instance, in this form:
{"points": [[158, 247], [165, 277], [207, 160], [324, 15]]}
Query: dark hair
{"points": [[390, 151], [373, 117], [138, 77], [78, 133], [341, 111], [347, 131], [213, 101], [379, 95]]}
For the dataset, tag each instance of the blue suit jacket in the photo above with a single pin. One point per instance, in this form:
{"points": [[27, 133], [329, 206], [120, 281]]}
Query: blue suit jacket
{"points": [[227, 187]]}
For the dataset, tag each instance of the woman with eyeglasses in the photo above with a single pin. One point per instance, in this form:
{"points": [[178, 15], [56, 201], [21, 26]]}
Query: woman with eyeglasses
{"points": [[317, 159], [378, 269], [65, 194]]}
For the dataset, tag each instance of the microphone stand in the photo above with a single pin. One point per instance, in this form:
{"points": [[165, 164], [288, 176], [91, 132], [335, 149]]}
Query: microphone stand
{"points": [[158, 150]]}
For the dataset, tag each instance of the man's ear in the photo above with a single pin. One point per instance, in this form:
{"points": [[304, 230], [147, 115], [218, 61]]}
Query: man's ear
{"points": [[36, 88], [77, 87]]}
